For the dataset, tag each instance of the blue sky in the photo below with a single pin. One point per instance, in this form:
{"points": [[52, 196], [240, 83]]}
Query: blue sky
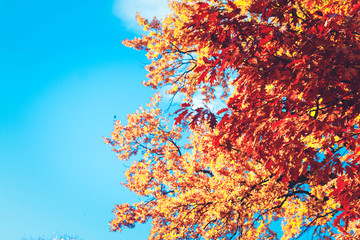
{"points": [[64, 75]]}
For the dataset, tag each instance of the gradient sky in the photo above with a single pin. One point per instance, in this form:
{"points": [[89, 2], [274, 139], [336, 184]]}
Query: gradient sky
{"points": [[64, 75]]}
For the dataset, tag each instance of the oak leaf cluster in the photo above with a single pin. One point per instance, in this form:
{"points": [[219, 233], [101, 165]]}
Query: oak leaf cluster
{"points": [[283, 152]]}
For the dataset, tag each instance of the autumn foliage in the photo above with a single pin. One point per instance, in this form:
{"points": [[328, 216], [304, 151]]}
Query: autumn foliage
{"points": [[284, 151]]}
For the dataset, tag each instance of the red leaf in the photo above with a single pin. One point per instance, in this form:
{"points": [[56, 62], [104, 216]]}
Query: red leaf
{"points": [[298, 77], [183, 105], [293, 62], [200, 68], [212, 120], [265, 29], [355, 9], [181, 117], [278, 123], [202, 5], [206, 60], [202, 77], [232, 5], [221, 111]]}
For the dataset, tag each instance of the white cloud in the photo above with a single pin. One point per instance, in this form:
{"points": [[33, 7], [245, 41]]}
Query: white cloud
{"points": [[126, 10]]}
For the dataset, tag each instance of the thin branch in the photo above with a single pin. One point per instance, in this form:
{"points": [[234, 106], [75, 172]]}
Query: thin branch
{"points": [[314, 220], [206, 172], [177, 147], [237, 226]]}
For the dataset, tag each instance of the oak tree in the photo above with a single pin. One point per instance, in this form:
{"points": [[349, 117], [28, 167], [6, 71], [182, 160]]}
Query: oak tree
{"points": [[285, 147]]}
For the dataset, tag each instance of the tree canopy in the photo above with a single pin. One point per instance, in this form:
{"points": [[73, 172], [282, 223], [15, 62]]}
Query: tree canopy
{"points": [[285, 147]]}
